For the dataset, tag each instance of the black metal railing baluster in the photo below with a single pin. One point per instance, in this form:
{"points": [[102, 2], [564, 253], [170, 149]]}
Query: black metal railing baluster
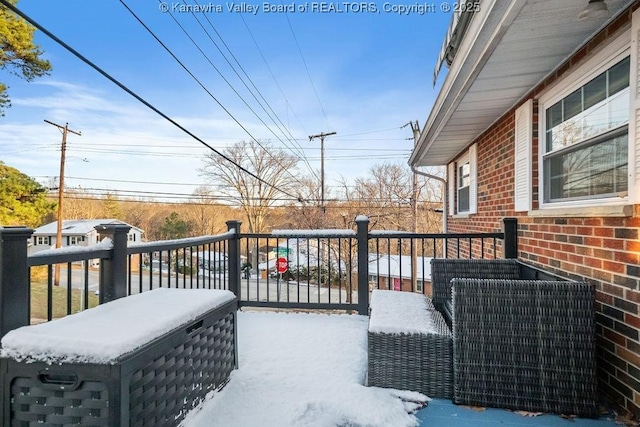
{"points": [[69, 289]]}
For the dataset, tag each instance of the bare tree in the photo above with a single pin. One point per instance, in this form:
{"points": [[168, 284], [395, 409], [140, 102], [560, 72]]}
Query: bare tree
{"points": [[276, 168], [384, 196], [204, 213], [308, 214]]}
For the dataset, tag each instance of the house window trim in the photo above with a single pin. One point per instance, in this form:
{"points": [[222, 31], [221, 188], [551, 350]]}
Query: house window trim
{"points": [[617, 50], [470, 155]]}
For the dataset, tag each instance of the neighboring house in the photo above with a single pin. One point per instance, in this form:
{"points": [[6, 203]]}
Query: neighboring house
{"points": [[395, 272], [304, 253], [538, 118], [75, 232]]}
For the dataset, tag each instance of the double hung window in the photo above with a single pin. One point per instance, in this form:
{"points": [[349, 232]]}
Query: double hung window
{"points": [[585, 148]]}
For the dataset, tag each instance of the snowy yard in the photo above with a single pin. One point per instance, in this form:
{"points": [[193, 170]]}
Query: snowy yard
{"points": [[304, 370]]}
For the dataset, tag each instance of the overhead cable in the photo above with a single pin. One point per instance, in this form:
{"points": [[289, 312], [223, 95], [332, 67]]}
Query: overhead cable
{"points": [[27, 18]]}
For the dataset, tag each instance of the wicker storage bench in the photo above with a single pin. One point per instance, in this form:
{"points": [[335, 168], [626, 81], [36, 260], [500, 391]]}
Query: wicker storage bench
{"points": [[409, 344], [143, 360], [525, 344]]}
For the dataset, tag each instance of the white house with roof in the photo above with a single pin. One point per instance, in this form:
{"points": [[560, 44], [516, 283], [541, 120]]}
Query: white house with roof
{"points": [[396, 272], [75, 232]]}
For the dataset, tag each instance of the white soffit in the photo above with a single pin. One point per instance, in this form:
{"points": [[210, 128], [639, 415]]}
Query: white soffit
{"points": [[510, 47]]}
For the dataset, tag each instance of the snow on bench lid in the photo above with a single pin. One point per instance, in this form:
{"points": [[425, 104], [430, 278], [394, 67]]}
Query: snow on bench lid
{"points": [[105, 333], [396, 312]]}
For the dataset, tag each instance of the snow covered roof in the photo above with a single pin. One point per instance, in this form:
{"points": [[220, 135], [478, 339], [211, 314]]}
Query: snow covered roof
{"points": [[214, 255], [394, 265], [77, 227]]}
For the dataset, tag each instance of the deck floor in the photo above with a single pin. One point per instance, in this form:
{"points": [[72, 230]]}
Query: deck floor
{"points": [[443, 413]]}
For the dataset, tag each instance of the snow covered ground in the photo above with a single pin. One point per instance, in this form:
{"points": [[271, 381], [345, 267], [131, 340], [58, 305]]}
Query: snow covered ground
{"points": [[304, 370]]}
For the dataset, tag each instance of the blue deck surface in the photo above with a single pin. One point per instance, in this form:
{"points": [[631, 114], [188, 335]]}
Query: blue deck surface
{"points": [[443, 413]]}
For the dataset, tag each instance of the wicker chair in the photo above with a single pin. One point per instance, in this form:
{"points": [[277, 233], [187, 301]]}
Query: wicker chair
{"points": [[443, 270], [525, 344]]}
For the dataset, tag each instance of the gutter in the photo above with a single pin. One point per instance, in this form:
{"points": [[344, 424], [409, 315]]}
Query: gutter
{"points": [[416, 137]]}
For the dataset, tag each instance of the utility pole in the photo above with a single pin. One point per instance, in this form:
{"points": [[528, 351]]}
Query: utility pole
{"points": [[322, 136], [65, 130]]}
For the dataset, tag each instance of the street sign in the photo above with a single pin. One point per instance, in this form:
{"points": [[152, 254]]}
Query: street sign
{"points": [[282, 265]]}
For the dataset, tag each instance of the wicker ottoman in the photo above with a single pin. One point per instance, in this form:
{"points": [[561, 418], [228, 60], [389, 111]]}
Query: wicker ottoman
{"points": [[409, 344], [166, 350]]}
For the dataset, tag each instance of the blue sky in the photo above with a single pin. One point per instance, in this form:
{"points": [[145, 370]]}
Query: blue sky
{"points": [[360, 74]]}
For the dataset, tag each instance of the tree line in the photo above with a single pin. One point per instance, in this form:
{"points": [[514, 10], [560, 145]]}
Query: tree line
{"points": [[385, 195]]}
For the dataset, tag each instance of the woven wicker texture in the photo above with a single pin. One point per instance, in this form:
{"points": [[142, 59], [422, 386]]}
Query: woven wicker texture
{"points": [[155, 386], [443, 270], [417, 362], [525, 344], [32, 404], [166, 389]]}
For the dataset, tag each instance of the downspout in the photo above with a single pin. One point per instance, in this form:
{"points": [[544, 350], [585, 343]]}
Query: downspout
{"points": [[416, 136], [444, 194]]}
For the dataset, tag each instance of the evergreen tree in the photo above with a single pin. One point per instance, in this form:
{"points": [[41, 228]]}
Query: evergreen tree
{"points": [[18, 54], [174, 227], [22, 200]]}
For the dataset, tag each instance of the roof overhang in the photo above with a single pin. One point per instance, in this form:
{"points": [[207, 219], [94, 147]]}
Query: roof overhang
{"points": [[509, 47]]}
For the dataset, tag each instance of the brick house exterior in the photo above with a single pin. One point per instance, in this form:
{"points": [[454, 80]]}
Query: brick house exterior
{"points": [[508, 168]]}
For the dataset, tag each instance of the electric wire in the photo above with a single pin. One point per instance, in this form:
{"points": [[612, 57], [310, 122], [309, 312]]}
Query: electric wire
{"points": [[264, 59], [192, 202], [40, 27], [193, 76], [268, 152], [290, 136], [306, 67], [125, 181], [121, 195]]}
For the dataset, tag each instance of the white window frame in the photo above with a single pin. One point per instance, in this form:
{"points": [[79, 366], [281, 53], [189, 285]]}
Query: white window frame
{"points": [[470, 157], [463, 161], [615, 51], [74, 240], [42, 240]]}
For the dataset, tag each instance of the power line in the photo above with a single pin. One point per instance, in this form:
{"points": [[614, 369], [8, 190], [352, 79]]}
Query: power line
{"points": [[136, 96], [100, 194], [195, 155], [223, 78], [307, 69], [185, 68], [264, 59], [79, 178], [290, 137]]}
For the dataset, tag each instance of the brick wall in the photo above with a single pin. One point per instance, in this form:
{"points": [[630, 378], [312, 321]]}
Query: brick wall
{"points": [[604, 251]]}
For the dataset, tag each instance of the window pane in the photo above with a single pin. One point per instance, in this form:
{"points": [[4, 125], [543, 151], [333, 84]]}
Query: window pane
{"points": [[597, 170], [619, 108], [464, 173], [463, 199], [619, 76], [591, 110], [595, 91], [573, 104], [554, 115]]}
